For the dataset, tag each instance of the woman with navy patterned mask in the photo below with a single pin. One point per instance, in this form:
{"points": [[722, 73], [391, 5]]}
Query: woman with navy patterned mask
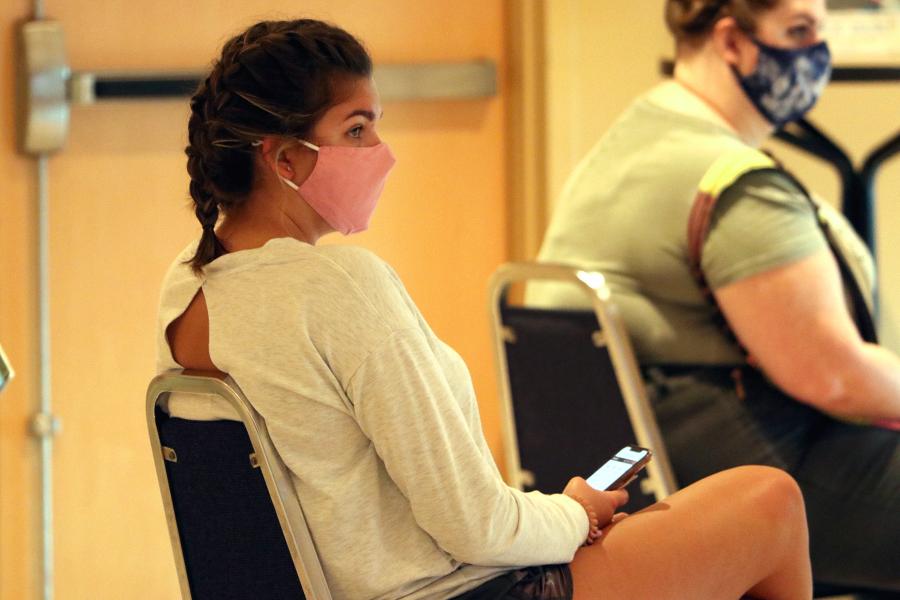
{"points": [[747, 299], [786, 81]]}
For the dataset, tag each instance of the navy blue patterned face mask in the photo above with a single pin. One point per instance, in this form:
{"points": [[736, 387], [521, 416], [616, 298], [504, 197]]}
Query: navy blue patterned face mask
{"points": [[786, 83]]}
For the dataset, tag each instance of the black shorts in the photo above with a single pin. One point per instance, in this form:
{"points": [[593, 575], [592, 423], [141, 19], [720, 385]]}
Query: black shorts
{"points": [[549, 582]]}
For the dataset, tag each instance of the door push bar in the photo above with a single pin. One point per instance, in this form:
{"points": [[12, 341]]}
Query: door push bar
{"points": [[48, 87]]}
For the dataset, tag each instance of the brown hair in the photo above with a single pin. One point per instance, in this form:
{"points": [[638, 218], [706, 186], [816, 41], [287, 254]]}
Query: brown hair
{"points": [[275, 78], [691, 20]]}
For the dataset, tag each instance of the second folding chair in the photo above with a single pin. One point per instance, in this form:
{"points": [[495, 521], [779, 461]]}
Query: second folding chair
{"points": [[570, 387]]}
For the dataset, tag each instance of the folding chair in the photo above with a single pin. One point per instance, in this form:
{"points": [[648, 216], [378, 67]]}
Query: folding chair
{"points": [[235, 523], [572, 394], [570, 388]]}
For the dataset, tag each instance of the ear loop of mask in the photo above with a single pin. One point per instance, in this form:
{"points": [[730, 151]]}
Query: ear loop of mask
{"points": [[287, 181]]}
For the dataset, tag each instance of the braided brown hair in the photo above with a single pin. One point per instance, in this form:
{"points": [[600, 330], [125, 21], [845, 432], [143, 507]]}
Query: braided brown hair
{"points": [[691, 20], [275, 78]]}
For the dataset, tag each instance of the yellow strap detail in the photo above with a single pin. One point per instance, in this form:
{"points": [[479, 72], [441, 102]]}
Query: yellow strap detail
{"points": [[729, 167]]}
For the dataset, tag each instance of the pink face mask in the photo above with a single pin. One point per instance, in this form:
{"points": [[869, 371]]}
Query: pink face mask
{"points": [[345, 184]]}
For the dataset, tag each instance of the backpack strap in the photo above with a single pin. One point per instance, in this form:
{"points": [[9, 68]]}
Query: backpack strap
{"points": [[726, 171], [859, 307], [723, 173]]}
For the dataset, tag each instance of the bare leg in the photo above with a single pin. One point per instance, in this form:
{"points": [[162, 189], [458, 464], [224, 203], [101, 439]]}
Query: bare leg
{"points": [[742, 531]]}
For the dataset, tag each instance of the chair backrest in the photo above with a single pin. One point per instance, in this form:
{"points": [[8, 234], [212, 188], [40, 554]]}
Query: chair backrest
{"points": [[236, 525], [570, 387]]}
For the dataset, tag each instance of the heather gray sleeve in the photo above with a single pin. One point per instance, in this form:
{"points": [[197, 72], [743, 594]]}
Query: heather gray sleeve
{"points": [[406, 407]]}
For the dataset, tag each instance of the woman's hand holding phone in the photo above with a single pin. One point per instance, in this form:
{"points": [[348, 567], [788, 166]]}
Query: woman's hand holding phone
{"points": [[604, 504], [603, 492]]}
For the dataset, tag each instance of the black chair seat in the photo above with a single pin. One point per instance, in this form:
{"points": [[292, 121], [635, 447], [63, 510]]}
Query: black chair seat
{"points": [[235, 522], [569, 411], [572, 388], [232, 542]]}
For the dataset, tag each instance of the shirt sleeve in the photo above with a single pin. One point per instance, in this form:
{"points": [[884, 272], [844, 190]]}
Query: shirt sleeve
{"points": [[406, 406], [761, 222]]}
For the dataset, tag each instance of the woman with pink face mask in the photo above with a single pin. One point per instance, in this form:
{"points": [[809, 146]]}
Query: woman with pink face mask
{"points": [[376, 417]]}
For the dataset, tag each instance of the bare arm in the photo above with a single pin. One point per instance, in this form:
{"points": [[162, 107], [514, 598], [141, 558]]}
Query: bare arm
{"points": [[794, 321]]}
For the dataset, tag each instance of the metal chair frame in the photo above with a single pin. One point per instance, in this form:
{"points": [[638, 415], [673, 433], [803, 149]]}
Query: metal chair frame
{"points": [[612, 335], [275, 473]]}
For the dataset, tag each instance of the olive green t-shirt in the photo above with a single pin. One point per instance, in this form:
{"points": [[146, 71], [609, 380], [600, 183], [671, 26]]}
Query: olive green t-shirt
{"points": [[624, 212]]}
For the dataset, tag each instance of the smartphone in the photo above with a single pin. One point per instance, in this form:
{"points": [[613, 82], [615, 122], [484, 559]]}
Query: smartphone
{"points": [[6, 371], [618, 471]]}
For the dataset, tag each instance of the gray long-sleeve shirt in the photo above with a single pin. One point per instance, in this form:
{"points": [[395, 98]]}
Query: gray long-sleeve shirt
{"points": [[374, 416]]}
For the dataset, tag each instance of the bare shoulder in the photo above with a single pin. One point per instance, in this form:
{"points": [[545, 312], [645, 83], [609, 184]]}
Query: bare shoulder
{"points": [[188, 336]]}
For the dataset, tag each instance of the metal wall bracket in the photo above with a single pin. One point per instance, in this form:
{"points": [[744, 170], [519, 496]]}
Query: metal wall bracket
{"points": [[45, 425], [43, 119], [6, 370]]}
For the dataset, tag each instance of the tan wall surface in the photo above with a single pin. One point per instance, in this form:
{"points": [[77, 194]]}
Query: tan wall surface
{"points": [[119, 216], [602, 54]]}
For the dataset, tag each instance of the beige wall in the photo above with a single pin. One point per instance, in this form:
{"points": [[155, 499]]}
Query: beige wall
{"points": [[119, 215], [599, 55]]}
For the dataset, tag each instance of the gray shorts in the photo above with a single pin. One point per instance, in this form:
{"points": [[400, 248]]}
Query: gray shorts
{"points": [[849, 474]]}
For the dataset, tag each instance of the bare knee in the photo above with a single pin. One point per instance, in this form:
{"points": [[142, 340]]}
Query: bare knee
{"points": [[771, 495]]}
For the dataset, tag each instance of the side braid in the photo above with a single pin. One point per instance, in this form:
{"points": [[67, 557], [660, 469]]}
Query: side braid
{"points": [[202, 190]]}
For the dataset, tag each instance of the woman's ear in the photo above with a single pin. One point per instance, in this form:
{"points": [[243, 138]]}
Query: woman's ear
{"points": [[272, 152], [266, 148], [732, 44]]}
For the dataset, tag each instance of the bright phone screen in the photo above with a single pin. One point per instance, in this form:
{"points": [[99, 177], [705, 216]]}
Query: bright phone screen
{"points": [[614, 468]]}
